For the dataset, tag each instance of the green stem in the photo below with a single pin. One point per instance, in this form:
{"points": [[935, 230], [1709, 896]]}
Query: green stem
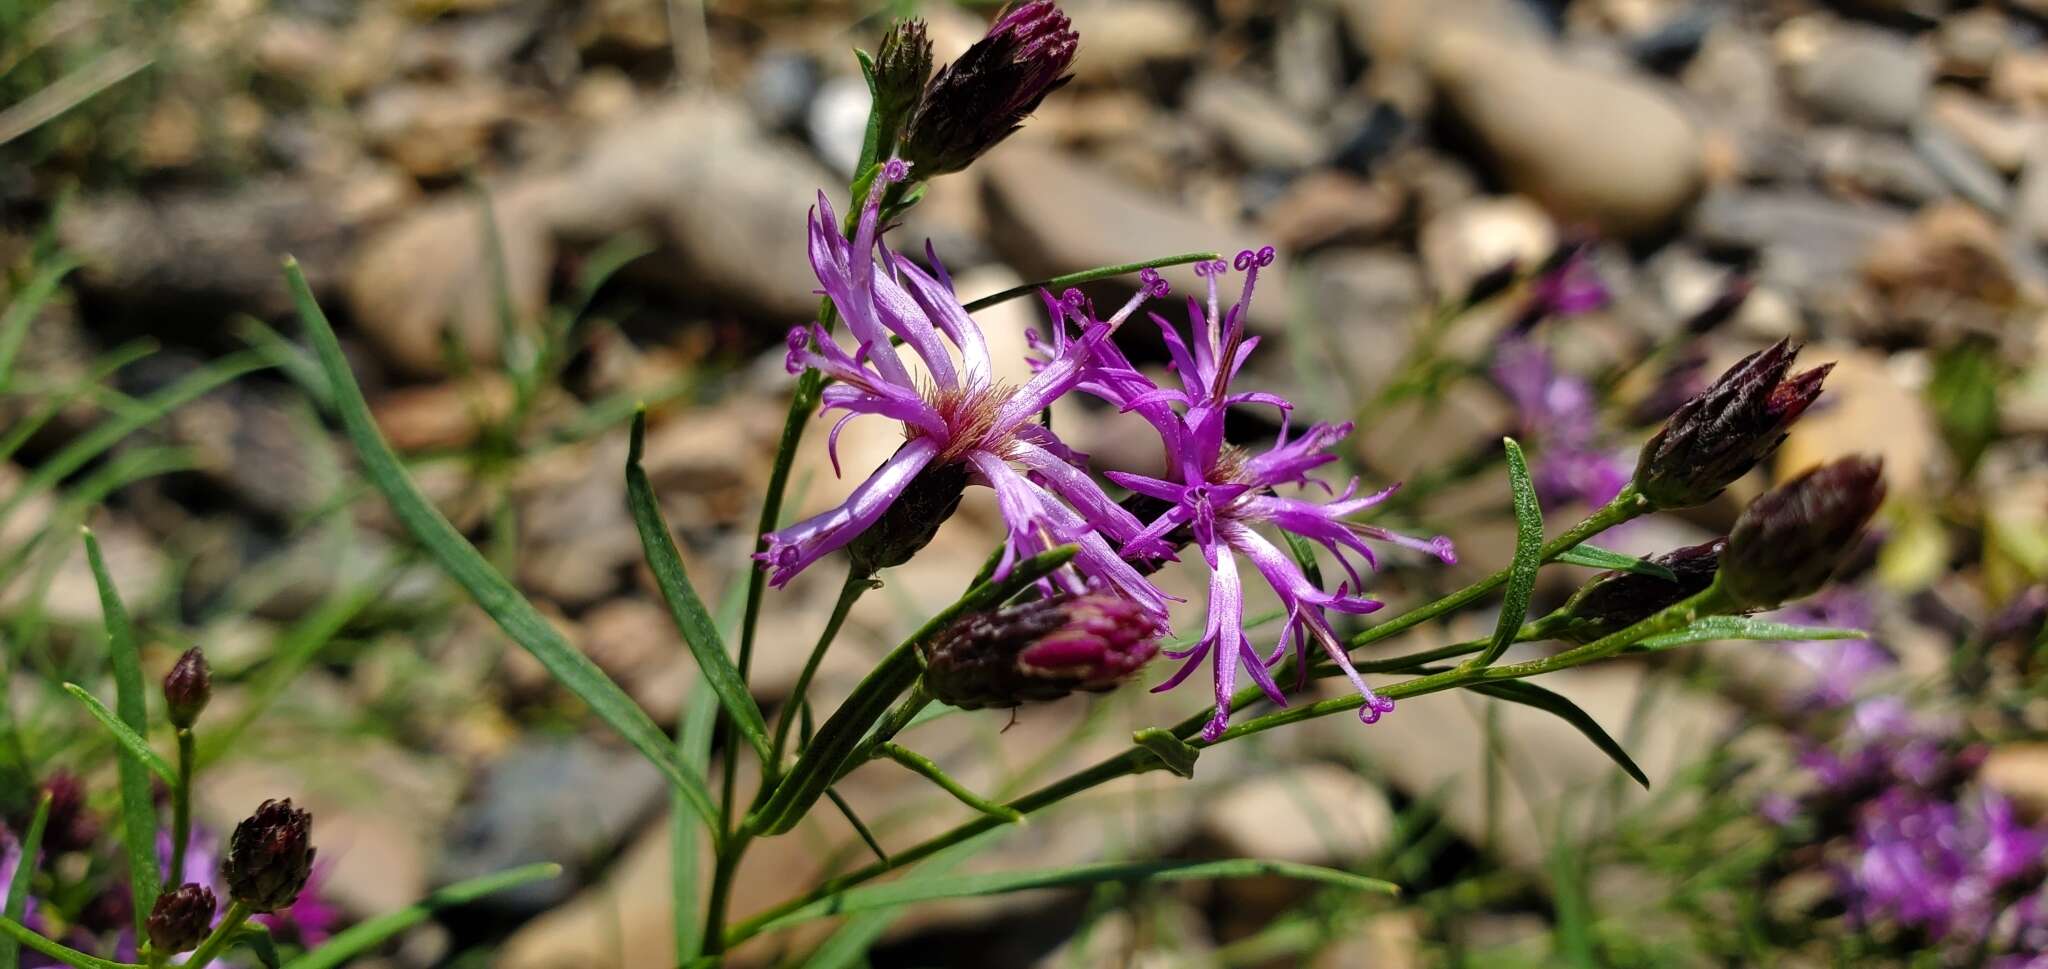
{"points": [[925, 766], [217, 942], [1626, 505], [64, 954], [857, 583], [181, 810], [890, 726], [1087, 276], [1138, 759]]}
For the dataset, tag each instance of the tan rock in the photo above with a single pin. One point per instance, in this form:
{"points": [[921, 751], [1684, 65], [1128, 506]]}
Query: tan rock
{"points": [[1474, 238], [1590, 145], [1311, 813], [2019, 771], [442, 416], [1867, 409]]}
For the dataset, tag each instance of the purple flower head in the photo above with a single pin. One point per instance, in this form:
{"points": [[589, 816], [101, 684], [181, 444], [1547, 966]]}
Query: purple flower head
{"points": [[1839, 667], [956, 418], [1566, 286], [1560, 409], [1219, 495], [1939, 866]]}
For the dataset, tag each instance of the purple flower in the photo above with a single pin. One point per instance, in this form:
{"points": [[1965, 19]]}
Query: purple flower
{"points": [[1567, 286], [1938, 866], [1839, 667], [955, 417], [1219, 494], [310, 919], [1560, 410], [10, 863]]}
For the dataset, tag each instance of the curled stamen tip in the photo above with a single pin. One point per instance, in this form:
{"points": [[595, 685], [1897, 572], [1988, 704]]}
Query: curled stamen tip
{"points": [[895, 170], [1376, 706], [1266, 255], [1074, 298], [1441, 547], [1154, 284], [1245, 258]]}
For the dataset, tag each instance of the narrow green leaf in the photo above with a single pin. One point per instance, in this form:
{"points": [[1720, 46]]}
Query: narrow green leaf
{"points": [[1057, 283], [691, 618], [1709, 628], [138, 808], [693, 746], [847, 946], [1305, 556], [871, 138], [871, 897], [462, 562], [1174, 754], [131, 743], [867, 836], [1514, 608], [24, 871], [27, 304], [363, 937], [1531, 695], [1599, 558], [827, 755], [64, 954], [930, 770]]}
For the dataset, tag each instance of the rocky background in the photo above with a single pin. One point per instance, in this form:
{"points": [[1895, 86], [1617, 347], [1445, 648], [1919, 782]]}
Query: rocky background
{"points": [[460, 177]]}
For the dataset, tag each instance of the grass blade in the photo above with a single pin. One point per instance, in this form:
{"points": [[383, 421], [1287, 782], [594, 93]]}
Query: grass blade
{"points": [[930, 770], [1593, 556], [20, 313], [872, 897], [131, 743], [138, 809], [1514, 609], [1709, 628], [24, 870], [361, 938], [691, 618], [1058, 283], [1531, 695], [846, 947], [462, 562], [71, 957]]}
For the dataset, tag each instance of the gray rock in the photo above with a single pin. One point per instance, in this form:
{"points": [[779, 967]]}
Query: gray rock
{"points": [[1875, 163], [1962, 168], [2030, 202], [1865, 77], [1603, 147], [781, 88], [1806, 239], [1258, 128], [536, 804], [838, 121], [1308, 63], [1050, 213]]}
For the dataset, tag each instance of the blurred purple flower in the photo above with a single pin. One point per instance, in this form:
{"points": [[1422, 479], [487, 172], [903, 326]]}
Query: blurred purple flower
{"points": [[1218, 494], [311, 918], [1839, 668], [956, 416], [1561, 412], [1936, 866], [1567, 286]]}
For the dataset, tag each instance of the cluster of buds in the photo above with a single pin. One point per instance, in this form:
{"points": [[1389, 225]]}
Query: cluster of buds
{"points": [[270, 856], [1039, 650], [1716, 437], [978, 100]]}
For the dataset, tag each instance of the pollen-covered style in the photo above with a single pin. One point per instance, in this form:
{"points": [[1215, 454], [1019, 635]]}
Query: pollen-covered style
{"points": [[955, 416], [1218, 494]]}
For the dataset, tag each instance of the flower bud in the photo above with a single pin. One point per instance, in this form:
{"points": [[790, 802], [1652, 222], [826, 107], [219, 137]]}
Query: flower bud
{"points": [[187, 687], [182, 918], [1792, 538], [72, 826], [1613, 601], [902, 66], [983, 97], [270, 857], [1039, 650], [1717, 436], [911, 520]]}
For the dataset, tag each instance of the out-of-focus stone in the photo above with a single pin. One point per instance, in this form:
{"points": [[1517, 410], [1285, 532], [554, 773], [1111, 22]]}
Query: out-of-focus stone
{"points": [[1590, 145], [434, 130], [1866, 409], [1121, 36], [2019, 771], [1464, 243], [1258, 128], [1325, 207], [1863, 77], [1312, 813], [442, 416], [1854, 161]]}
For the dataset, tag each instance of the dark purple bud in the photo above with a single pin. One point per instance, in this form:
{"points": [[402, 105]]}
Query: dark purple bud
{"points": [[1492, 282], [912, 519], [187, 688], [1039, 650], [72, 826], [269, 857], [182, 918], [1146, 509], [903, 65], [1723, 308], [1792, 538], [983, 97], [1613, 601], [1717, 436]]}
